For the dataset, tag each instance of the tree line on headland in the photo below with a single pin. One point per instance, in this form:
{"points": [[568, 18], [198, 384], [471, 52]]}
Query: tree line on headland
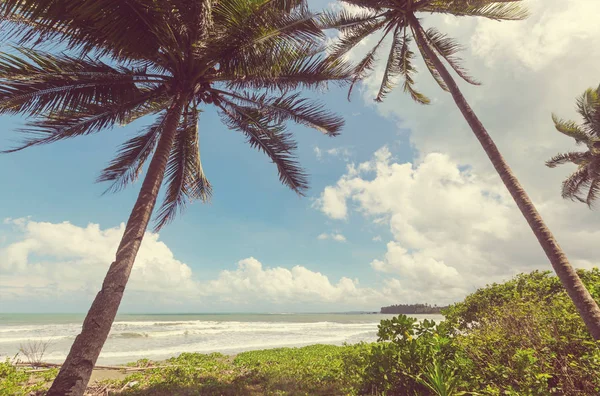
{"points": [[412, 309]]}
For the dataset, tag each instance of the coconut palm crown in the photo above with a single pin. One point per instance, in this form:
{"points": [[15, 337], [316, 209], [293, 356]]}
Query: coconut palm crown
{"points": [[584, 184], [144, 57], [397, 20]]}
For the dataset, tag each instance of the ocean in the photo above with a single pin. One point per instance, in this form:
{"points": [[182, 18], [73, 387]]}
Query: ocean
{"points": [[160, 336]]}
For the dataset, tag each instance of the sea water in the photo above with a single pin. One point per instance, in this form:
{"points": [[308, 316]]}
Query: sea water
{"points": [[160, 336]]}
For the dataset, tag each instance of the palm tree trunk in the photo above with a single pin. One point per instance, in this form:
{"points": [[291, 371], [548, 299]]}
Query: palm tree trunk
{"points": [[75, 373], [585, 304]]}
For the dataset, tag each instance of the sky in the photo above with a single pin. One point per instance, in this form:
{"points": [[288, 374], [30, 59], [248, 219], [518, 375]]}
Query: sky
{"points": [[404, 206]]}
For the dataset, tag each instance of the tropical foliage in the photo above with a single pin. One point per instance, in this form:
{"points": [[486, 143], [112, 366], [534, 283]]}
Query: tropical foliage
{"points": [[156, 54], [584, 184], [397, 22]]}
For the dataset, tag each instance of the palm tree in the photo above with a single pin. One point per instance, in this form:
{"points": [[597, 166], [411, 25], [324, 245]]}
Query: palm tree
{"points": [[128, 59], [587, 175], [397, 21]]}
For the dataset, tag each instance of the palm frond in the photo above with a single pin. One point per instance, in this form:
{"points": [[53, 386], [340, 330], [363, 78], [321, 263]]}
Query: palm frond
{"points": [[291, 107], [251, 34], [571, 129], [447, 48], [365, 66], [588, 105], [346, 21], [407, 70], [497, 10], [92, 118], [126, 167], [121, 28], [393, 67], [184, 175], [574, 157], [268, 137], [351, 37], [576, 182], [297, 71], [37, 82], [593, 192]]}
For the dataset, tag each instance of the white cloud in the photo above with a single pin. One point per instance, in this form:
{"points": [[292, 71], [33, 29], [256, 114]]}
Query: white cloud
{"points": [[251, 281], [57, 260], [453, 231], [332, 203], [377, 238], [337, 152], [64, 265], [335, 236]]}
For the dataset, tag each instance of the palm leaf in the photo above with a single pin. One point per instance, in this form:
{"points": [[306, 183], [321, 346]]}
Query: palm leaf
{"points": [[184, 176], [38, 83], [268, 137], [365, 66], [407, 70], [291, 107], [588, 105], [126, 167], [570, 129], [573, 157], [121, 28], [92, 118], [392, 67], [447, 48], [497, 10], [353, 36], [573, 184]]}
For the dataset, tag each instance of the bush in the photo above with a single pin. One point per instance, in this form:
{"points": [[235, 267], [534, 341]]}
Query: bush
{"points": [[522, 337], [525, 337], [411, 358]]}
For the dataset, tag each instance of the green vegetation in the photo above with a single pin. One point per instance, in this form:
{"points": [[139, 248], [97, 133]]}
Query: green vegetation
{"points": [[584, 184], [522, 337], [16, 382]]}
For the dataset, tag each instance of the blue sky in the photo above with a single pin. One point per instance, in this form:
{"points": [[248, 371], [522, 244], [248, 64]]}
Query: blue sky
{"points": [[441, 221]]}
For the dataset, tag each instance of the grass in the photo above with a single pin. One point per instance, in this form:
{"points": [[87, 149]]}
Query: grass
{"points": [[312, 370]]}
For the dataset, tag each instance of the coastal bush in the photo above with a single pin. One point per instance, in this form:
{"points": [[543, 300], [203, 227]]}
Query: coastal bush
{"points": [[410, 358], [521, 337], [525, 337]]}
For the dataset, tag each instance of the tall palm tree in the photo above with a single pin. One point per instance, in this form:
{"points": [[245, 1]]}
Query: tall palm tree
{"points": [[587, 175], [128, 59], [397, 20]]}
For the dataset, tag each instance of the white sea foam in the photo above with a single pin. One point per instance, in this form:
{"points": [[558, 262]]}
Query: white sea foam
{"points": [[163, 336]]}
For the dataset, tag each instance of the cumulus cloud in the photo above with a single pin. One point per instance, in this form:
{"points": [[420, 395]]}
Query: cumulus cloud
{"points": [[65, 264], [62, 259], [452, 230], [337, 152], [251, 280], [335, 237]]}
